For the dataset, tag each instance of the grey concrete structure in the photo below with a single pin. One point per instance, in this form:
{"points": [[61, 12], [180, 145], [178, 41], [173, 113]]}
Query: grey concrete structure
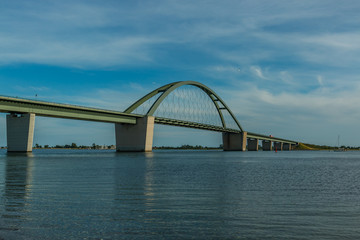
{"points": [[20, 132], [253, 144], [234, 141], [267, 145], [278, 146], [135, 138], [286, 146]]}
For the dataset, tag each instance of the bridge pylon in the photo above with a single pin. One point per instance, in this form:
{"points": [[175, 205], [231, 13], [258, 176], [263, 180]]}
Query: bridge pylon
{"points": [[278, 146], [286, 146], [267, 145], [20, 132], [253, 144], [234, 141], [135, 138]]}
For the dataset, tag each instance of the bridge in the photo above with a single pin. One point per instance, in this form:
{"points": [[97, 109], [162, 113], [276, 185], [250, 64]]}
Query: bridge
{"points": [[185, 104]]}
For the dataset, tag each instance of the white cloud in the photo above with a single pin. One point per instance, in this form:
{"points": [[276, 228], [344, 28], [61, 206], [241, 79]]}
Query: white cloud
{"points": [[89, 34], [76, 33], [257, 71], [222, 69], [286, 77], [314, 117], [344, 41], [320, 80], [110, 52]]}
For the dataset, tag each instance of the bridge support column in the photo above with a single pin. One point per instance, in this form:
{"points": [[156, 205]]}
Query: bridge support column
{"points": [[135, 137], [286, 147], [267, 145], [278, 146], [20, 132], [253, 144], [234, 141]]}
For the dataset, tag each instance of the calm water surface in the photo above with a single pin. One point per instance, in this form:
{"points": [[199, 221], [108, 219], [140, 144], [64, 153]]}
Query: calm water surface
{"points": [[88, 194]]}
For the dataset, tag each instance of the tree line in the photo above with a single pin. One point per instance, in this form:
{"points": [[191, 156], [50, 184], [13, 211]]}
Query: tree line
{"points": [[75, 146]]}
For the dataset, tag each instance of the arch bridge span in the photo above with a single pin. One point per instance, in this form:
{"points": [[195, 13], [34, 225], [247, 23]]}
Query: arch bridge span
{"points": [[185, 104], [163, 92]]}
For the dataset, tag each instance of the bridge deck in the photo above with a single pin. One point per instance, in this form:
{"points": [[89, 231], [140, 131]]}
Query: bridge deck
{"points": [[269, 138], [49, 109], [181, 123]]}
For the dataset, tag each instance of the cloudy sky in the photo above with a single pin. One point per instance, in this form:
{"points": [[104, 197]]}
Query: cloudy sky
{"points": [[286, 68]]}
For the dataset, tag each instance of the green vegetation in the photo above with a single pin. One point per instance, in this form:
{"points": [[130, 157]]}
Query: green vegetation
{"points": [[303, 146], [95, 146], [74, 146], [300, 146], [307, 146], [189, 147]]}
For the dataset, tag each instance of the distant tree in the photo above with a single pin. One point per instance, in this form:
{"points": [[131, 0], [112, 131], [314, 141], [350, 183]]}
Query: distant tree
{"points": [[73, 145], [46, 146]]}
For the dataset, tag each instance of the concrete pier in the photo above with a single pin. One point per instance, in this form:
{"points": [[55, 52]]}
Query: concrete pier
{"points": [[278, 146], [135, 138], [20, 132], [286, 147], [253, 144], [267, 145], [234, 141]]}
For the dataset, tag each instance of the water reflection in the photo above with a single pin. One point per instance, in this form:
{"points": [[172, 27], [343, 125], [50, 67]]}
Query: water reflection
{"points": [[193, 191], [149, 155], [20, 154], [149, 181], [18, 178]]}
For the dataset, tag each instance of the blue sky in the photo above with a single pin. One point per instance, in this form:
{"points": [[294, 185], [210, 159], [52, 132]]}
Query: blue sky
{"points": [[287, 68]]}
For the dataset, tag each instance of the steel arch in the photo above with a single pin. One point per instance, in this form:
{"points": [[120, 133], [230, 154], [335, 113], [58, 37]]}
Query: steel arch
{"points": [[168, 88]]}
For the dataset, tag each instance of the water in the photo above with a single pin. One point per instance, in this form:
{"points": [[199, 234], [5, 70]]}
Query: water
{"points": [[88, 194]]}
